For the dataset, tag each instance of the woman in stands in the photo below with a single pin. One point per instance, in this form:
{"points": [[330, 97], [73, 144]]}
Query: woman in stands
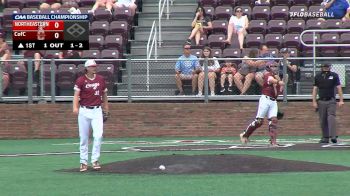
{"points": [[200, 24], [131, 4], [50, 4], [213, 68], [5, 54], [238, 24], [102, 3]]}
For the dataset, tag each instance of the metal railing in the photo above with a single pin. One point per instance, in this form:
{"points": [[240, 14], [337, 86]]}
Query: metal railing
{"points": [[314, 44], [163, 75], [161, 7], [152, 42]]}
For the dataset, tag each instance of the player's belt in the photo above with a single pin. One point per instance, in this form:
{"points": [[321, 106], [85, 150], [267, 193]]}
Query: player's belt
{"points": [[268, 97], [326, 98], [90, 107]]}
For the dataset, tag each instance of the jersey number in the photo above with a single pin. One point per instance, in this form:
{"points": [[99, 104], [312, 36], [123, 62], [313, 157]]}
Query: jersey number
{"points": [[97, 92]]}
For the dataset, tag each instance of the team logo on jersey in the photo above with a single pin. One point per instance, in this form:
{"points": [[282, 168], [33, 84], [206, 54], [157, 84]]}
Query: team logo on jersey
{"points": [[93, 85]]}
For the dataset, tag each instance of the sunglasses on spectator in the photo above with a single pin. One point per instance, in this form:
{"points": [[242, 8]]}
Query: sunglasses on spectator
{"points": [[238, 10]]}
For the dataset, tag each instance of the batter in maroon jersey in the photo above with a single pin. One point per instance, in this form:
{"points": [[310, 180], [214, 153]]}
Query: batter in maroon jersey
{"points": [[92, 91], [271, 88]]}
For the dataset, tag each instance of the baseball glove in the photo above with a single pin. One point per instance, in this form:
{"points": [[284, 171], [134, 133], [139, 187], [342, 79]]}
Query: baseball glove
{"points": [[106, 115], [280, 115]]}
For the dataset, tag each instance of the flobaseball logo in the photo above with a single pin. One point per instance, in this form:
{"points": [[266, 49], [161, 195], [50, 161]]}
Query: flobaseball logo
{"points": [[93, 85], [311, 14]]}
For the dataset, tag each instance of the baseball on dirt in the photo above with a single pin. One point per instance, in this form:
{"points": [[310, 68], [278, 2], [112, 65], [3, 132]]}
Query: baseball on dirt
{"points": [[161, 167]]}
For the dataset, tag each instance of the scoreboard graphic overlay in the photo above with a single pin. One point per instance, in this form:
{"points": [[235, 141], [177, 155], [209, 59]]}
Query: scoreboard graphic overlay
{"points": [[50, 31]]}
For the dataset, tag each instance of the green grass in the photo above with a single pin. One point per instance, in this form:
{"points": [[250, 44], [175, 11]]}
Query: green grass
{"points": [[39, 175]]}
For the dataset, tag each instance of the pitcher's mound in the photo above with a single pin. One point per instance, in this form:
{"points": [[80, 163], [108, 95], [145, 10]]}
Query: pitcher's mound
{"points": [[213, 164]]}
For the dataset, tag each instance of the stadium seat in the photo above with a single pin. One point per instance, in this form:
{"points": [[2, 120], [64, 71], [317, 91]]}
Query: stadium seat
{"points": [[223, 12], [302, 2], [51, 54], [231, 53], [291, 41], [110, 54], [203, 40], [254, 40], [274, 40], [316, 2], [48, 11], [30, 53], [227, 2], [277, 26], [308, 39], [80, 70], [47, 75], [33, 3], [295, 26], [345, 39], [245, 2], [101, 14], [261, 12], [119, 27], [274, 52], [87, 3], [257, 26], [315, 24], [15, 4], [345, 25], [283, 2], [91, 54], [107, 72], [316, 8], [217, 52], [333, 24], [66, 74], [99, 28], [247, 10], [7, 17], [123, 13], [216, 41], [28, 10], [211, 3], [246, 51], [219, 26], [280, 13], [329, 38], [114, 42], [197, 52], [209, 11], [19, 76], [298, 9], [96, 42]]}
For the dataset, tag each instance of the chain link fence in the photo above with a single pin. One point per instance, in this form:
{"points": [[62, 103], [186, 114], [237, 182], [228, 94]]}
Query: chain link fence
{"points": [[153, 79]]}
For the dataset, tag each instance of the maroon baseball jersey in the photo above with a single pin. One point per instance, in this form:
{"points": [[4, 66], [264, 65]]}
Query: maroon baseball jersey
{"points": [[268, 89], [91, 91]]}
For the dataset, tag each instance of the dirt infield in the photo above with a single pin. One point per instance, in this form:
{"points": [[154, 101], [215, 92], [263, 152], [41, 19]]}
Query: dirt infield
{"points": [[212, 164]]}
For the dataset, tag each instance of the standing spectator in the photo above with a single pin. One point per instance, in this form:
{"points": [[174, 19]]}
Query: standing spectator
{"points": [[264, 53], [262, 2], [238, 24], [102, 3], [186, 68], [131, 4], [227, 72], [200, 24], [213, 68], [292, 69], [324, 86], [336, 9], [267, 106], [246, 72], [92, 91]]}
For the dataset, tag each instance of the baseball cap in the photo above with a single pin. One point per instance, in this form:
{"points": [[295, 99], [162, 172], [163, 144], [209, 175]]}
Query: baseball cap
{"points": [[326, 65], [284, 50], [90, 63]]}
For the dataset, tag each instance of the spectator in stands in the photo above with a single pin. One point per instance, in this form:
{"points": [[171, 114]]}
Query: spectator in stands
{"points": [[50, 4], [246, 72], [131, 4], [293, 72], [238, 25], [262, 2], [200, 24], [5, 52], [227, 73], [108, 4], [5, 81], [261, 68], [187, 68], [337, 9], [213, 68]]}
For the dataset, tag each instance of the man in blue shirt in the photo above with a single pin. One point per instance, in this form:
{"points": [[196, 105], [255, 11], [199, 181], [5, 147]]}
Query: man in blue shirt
{"points": [[336, 9], [186, 68]]}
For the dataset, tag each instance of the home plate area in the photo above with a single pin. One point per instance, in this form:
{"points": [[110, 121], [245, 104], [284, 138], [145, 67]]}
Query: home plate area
{"points": [[219, 163]]}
